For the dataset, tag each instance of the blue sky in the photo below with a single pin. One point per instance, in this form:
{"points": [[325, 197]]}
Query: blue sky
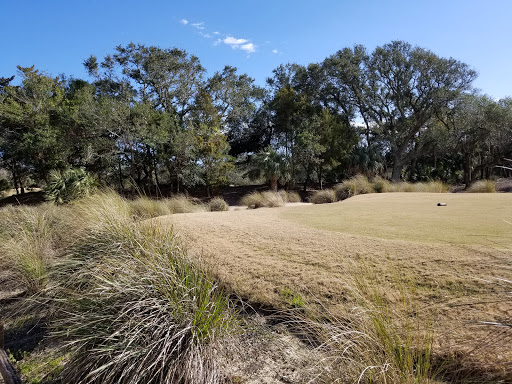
{"points": [[257, 36]]}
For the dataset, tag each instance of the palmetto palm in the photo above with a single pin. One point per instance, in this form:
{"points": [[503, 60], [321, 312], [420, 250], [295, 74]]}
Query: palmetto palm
{"points": [[271, 165]]}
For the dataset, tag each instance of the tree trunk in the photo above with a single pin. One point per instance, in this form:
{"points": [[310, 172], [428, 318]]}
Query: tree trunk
{"points": [[467, 169], [7, 371], [397, 169], [273, 183]]}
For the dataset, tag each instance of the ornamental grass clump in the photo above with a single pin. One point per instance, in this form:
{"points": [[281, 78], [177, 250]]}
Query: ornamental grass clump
{"points": [[371, 342], [381, 185], [30, 238], [324, 196], [356, 185], [269, 199], [482, 186], [132, 307], [218, 204]]}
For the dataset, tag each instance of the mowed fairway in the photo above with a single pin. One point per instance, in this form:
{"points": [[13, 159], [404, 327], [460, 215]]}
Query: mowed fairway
{"points": [[454, 255]]}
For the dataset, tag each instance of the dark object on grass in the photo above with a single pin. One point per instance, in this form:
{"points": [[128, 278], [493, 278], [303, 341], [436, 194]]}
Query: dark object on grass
{"points": [[7, 371], [441, 204]]}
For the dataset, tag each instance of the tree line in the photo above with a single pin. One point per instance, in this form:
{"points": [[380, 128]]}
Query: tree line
{"points": [[150, 118]]}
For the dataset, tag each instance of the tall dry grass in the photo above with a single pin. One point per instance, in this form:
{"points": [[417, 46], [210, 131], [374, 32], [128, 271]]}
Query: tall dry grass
{"points": [[269, 199], [482, 186], [373, 342], [360, 184], [30, 240], [124, 301], [146, 208]]}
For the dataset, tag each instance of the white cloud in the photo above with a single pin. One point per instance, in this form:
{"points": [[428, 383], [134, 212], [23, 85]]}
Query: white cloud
{"points": [[207, 35], [249, 48], [275, 51], [230, 40], [216, 33], [217, 42], [184, 21], [198, 25]]}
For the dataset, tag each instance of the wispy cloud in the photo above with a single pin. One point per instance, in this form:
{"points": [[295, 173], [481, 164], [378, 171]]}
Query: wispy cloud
{"points": [[233, 42], [229, 40], [275, 51], [198, 25]]}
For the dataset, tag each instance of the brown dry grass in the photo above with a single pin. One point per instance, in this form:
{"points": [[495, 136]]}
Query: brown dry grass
{"points": [[452, 255]]}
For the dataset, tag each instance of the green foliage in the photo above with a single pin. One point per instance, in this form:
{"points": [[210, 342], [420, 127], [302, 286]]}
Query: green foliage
{"points": [[272, 166], [71, 184], [217, 204], [324, 196], [295, 300]]}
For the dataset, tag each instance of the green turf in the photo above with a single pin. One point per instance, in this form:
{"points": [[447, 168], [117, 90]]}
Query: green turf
{"points": [[484, 219]]}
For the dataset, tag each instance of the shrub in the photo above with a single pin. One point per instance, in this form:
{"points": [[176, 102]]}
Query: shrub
{"points": [[218, 204], [69, 185], [4, 186], [482, 186], [323, 197]]}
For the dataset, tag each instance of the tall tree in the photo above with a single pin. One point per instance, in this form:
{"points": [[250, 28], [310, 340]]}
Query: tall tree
{"points": [[397, 90]]}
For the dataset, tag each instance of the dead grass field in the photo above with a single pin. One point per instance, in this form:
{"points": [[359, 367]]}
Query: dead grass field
{"points": [[452, 257]]}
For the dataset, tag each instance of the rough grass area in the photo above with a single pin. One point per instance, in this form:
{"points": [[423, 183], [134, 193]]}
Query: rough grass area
{"points": [[482, 186], [269, 199], [360, 185], [455, 260], [119, 297]]}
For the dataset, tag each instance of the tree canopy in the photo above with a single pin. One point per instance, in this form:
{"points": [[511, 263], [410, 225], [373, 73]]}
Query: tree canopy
{"points": [[151, 117]]}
